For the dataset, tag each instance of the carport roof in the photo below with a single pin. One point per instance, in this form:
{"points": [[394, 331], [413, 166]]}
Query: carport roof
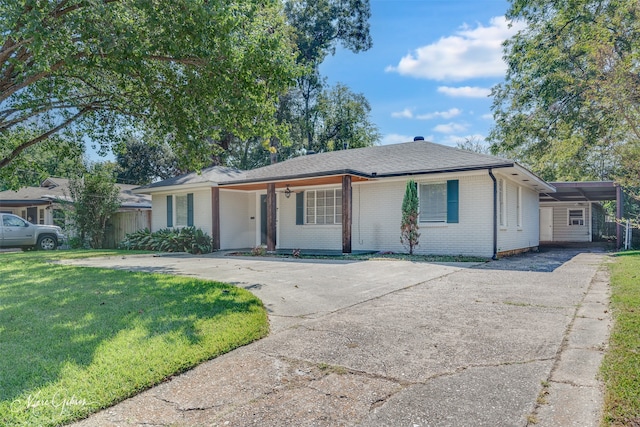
{"points": [[586, 191]]}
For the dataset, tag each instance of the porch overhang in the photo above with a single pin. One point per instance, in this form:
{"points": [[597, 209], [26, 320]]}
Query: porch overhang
{"points": [[588, 191], [283, 182]]}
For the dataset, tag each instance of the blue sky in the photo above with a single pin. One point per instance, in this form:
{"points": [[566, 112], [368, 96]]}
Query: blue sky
{"points": [[431, 68]]}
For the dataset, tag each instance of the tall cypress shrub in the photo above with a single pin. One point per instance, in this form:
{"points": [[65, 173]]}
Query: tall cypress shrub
{"points": [[409, 234]]}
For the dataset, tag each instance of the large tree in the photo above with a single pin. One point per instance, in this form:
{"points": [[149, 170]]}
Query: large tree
{"points": [[570, 103], [99, 68], [319, 26]]}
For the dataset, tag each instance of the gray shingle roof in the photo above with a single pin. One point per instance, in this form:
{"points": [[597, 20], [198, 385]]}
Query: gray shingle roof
{"points": [[212, 174], [57, 189], [384, 160]]}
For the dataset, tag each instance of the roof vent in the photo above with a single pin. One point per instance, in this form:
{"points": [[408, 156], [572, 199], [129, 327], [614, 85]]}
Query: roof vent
{"points": [[418, 138]]}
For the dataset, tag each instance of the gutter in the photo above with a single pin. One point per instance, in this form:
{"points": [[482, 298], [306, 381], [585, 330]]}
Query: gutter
{"points": [[495, 215]]}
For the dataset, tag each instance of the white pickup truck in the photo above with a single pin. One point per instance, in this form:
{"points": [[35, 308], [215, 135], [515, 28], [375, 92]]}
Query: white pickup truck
{"points": [[15, 232]]}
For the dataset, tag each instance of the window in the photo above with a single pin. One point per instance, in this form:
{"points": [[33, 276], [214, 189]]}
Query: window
{"points": [[576, 216], [439, 202], [41, 217], [433, 202], [324, 206], [13, 221], [180, 207], [181, 210], [502, 198], [519, 208]]}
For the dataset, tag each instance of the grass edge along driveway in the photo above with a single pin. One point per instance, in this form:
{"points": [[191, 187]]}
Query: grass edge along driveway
{"points": [[75, 340], [621, 365]]}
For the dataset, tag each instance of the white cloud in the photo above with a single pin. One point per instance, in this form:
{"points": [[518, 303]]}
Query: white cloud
{"points": [[404, 114], [450, 128], [465, 91], [487, 116], [470, 53], [449, 114]]}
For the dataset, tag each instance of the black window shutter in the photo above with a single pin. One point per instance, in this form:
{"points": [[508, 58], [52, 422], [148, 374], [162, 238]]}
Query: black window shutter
{"points": [[299, 208], [190, 210], [452, 201], [169, 211]]}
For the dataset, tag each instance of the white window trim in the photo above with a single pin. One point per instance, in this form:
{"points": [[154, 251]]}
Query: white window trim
{"points": [[502, 189], [584, 219], [433, 223], [519, 209], [337, 218]]}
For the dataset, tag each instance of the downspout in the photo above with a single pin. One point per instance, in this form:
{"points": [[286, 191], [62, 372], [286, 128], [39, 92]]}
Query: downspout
{"points": [[495, 215]]}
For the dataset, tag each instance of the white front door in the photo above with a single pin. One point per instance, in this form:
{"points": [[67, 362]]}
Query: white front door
{"points": [[546, 224]]}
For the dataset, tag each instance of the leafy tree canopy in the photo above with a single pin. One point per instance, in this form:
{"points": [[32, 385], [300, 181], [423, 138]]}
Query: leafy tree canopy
{"points": [[55, 156], [142, 160], [569, 106], [100, 68]]}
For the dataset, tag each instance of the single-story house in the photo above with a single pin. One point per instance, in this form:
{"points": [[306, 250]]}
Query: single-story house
{"points": [[350, 200], [45, 205]]}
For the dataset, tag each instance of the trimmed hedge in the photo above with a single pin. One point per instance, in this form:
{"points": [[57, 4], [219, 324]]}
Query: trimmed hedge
{"points": [[187, 239]]}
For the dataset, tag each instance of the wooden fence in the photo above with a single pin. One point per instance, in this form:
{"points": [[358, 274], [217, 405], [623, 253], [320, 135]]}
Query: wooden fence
{"points": [[123, 223]]}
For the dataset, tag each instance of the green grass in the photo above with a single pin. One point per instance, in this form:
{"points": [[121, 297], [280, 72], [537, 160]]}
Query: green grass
{"points": [[75, 340], [621, 365]]}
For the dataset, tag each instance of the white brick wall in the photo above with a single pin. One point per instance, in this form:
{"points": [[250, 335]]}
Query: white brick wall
{"points": [[376, 226], [292, 236], [201, 209], [511, 236]]}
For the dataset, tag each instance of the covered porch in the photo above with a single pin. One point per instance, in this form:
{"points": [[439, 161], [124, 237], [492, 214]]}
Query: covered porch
{"points": [[280, 206], [569, 214]]}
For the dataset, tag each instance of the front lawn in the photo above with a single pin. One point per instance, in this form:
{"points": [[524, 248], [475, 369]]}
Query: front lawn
{"points": [[621, 366], [74, 340]]}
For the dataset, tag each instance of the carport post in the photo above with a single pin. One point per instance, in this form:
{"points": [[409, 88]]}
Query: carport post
{"points": [[271, 217], [346, 214], [619, 215], [215, 217]]}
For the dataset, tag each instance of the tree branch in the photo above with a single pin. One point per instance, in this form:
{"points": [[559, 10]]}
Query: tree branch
{"points": [[16, 151]]}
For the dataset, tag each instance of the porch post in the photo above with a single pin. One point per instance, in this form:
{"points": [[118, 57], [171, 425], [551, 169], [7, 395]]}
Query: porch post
{"points": [[346, 214], [271, 217], [215, 217], [619, 215]]}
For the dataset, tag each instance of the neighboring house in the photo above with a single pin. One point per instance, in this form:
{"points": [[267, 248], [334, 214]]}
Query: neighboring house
{"points": [[350, 200], [46, 205], [573, 213]]}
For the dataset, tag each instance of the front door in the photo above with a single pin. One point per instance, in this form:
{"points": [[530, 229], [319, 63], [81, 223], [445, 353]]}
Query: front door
{"points": [[32, 215], [546, 224]]}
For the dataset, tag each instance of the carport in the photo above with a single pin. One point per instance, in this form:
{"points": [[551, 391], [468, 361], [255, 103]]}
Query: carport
{"points": [[576, 201]]}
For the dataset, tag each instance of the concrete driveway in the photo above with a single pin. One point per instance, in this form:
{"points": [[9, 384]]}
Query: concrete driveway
{"points": [[392, 343]]}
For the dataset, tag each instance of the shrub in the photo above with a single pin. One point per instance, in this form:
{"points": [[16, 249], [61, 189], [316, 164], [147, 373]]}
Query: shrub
{"points": [[259, 251], [187, 239]]}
